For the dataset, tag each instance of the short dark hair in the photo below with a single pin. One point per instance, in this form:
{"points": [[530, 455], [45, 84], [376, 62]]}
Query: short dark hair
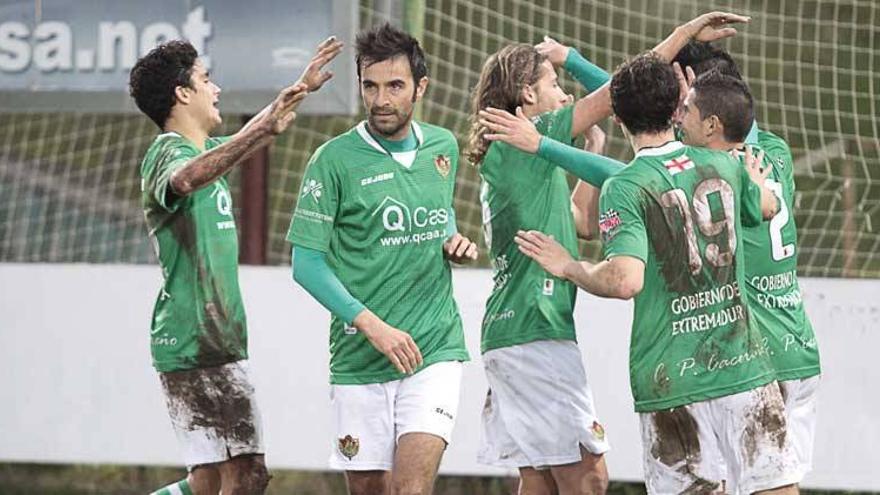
{"points": [[645, 94], [702, 57], [729, 99], [386, 41], [156, 75]]}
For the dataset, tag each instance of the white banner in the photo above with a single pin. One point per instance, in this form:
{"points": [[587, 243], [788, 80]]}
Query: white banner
{"points": [[77, 384]]}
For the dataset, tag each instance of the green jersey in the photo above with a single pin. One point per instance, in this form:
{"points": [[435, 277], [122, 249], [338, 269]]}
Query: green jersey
{"points": [[381, 217], [521, 191], [680, 210], [774, 295], [198, 320]]}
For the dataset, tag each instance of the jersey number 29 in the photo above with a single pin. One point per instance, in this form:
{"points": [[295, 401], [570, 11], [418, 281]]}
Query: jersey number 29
{"points": [[716, 254]]}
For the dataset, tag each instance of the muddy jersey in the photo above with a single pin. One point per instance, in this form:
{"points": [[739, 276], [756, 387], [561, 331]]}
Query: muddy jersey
{"points": [[522, 191], [198, 320], [681, 210], [382, 218], [774, 294]]}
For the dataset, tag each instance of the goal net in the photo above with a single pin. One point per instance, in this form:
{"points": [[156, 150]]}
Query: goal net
{"points": [[69, 186]]}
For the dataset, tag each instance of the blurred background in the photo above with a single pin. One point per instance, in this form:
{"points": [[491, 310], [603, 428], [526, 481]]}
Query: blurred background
{"points": [[77, 283]]}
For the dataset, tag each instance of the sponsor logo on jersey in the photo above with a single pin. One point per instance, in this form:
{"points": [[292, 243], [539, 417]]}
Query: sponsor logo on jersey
{"points": [[349, 329], [444, 413], [608, 223], [443, 165], [349, 446], [413, 225], [678, 165], [313, 188], [366, 181], [224, 206]]}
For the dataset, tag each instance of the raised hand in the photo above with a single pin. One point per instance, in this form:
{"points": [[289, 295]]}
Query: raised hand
{"points": [[753, 167], [542, 248], [555, 51], [459, 249], [314, 76], [685, 80], [281, 113], [517, 131], [714, 26]]}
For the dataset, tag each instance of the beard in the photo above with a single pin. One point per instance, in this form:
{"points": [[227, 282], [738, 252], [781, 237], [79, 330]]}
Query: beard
{"points": [[391, 122]]}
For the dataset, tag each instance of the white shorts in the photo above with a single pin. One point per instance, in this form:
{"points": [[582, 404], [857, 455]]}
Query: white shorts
{"points": [[800, 398], [213, 412], [370, 418], [539, 408], [741, 438]]}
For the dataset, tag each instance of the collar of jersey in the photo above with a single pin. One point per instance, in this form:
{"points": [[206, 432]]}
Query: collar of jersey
{"points": [[365, 135], [665, 149]]}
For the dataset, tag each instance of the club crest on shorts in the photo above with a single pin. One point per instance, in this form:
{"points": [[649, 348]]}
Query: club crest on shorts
{"points": [[349, 446], [443, 165], [598, 431]]}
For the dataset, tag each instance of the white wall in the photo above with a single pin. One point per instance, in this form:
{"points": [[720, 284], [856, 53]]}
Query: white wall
{"points": [[76, 384]]}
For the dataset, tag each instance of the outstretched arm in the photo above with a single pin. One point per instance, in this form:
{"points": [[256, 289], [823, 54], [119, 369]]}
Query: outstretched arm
{"points": [[260, 130], [519, 132], [713, 26], [621, 277]]}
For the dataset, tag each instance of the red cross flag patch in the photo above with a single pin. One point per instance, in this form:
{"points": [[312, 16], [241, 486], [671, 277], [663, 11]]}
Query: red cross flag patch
{"points": [[678, 165]]}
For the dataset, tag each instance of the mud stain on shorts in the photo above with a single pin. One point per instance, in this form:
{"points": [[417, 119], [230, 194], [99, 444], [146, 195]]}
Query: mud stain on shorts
{"points": [[211, 398], [677, 445], [765, 423]]}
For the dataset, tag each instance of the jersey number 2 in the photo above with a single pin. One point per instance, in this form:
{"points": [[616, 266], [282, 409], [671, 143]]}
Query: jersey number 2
{"points": [[778, 250]]}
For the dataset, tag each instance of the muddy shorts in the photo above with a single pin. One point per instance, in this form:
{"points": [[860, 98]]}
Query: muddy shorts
{"points": [[741, 439], [213, 412], [539, 409], [800, 398]]}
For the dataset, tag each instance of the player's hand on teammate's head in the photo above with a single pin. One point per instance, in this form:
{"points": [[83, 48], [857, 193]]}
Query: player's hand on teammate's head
{"points": [[281, 113], [544, 249], [515, 130], [714, 26], [314, 75], [555, 51], [459, 249]]}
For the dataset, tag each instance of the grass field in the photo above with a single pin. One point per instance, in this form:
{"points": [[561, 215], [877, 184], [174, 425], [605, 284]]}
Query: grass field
{"points": [[44, 479]]}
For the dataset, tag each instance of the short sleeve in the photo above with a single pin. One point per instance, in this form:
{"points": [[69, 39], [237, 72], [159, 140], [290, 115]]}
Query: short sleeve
{"points": [[157, 176], [622, 220], [317, 205]]}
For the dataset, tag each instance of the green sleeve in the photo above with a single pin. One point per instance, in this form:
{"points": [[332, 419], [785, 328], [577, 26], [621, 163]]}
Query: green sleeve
{"points": [[158, 177], [585, 72], [310, 270], [317, 205], [750, 201], [589, 167], [622, 221]]}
